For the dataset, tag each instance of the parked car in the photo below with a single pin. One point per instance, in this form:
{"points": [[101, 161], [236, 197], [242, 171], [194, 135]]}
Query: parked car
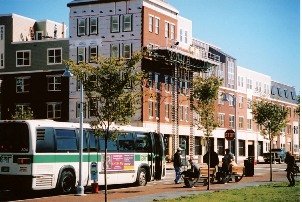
{"points": [[278, 155]]}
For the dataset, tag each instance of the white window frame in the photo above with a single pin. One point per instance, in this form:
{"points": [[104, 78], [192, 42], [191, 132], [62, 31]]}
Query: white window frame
{"points": [[115, 24], [240, 102], [151, 17], [186, 37], [249, 124], [39, 35], [114, 50], [55, 110], [156, 31], [127, 24], [166, 29], [172, 31], [127, 51], [231, 121], [249, 83], [54, 56], [93, 54], [181, 35], [221, 120], [81, 52], [54, 83], [22, 84], [23, 58], [93, 25], [81, 26], [241, 121]]}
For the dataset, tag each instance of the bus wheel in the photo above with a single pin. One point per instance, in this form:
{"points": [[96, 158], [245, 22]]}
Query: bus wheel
{"points": [[66, 184], [141, 177]]}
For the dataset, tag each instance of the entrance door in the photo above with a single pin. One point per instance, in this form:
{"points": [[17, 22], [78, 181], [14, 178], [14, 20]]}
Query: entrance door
{"points": [[251, 148]]}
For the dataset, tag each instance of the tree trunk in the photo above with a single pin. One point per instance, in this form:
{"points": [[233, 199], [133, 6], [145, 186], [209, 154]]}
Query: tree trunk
{"points": [[208, 185], [270, 154], [105, 163]]}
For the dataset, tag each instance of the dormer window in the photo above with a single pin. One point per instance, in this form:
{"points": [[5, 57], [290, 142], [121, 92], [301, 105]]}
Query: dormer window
{"points": [[279, 92], [285, 93], [293, 95]]}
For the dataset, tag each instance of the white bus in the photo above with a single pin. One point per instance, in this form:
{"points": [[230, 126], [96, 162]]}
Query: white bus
{"points": [[44, 154]]}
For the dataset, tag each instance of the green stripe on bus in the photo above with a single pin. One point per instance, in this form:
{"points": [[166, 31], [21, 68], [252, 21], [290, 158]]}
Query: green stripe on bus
{"points": [[50, 158]]}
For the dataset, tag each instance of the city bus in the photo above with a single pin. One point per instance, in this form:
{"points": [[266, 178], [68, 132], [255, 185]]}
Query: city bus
{"points": [[44, 154]]}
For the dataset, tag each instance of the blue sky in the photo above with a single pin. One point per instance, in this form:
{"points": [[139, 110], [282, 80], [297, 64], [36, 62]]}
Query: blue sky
{"points": [[263, 35]]}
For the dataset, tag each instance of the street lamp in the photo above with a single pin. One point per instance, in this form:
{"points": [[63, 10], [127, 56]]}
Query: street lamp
{"points": [[80, 188], [225, 99]]}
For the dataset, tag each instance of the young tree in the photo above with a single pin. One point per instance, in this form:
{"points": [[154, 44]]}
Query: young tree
{"points": [[205, 93], [272, 118], [24, 114], [113, 88]]}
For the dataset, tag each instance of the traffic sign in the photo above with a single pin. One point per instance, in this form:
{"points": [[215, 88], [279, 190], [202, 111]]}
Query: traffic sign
{"points": [[229, 134]]}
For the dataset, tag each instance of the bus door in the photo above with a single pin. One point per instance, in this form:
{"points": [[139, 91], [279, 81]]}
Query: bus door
{"points": [[157, 157]]}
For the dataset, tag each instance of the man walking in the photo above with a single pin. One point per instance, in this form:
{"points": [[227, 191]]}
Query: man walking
{"points": [[177, 165], [290, 161]]}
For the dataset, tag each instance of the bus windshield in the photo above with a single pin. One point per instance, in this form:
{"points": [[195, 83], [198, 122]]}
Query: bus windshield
{"points": [[14, 137]]}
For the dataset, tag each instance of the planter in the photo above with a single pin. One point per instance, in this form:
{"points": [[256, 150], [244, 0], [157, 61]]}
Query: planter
{"points": [[95, 187]]}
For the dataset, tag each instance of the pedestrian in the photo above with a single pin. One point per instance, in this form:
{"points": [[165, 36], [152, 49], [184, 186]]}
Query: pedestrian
{"points": [[227, 160], [290, 161], [214, 160], [177, 165]]}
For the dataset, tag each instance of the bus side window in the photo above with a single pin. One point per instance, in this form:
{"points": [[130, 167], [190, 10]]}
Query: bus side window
{"points": [[92, 141], [66, 140], [111, 144], [142, 142], [126, 142], [45, 140]]}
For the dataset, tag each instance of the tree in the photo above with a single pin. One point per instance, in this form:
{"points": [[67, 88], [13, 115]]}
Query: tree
{"points": [[24, 114], [113, 88], [205, 93], [272, 118]]}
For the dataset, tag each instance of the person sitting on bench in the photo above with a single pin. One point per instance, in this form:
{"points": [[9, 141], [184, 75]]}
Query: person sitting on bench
{"points": [[191, 175]]}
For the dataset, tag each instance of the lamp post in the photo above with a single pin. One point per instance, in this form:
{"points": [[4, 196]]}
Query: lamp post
{"points": [[235, 122], [80, 187]]}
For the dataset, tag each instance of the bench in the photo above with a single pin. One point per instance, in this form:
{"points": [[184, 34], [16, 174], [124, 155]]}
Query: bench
{"points": [[203, 176]]}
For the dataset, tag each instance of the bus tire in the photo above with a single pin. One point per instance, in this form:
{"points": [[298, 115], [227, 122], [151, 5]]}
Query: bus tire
{"points": [[141, 177], [66, 184]]}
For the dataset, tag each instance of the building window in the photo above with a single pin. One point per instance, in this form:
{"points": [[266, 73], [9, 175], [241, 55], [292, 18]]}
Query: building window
{"points": [[2, 32], [181, 113], [231, 74], [150, 109], [78, 110], [82, 27], [198, 146], [150, 23], [166, 29], [181, 35], [93, 53], [22, 84], [249, 124], [22, 107], [127, 23], [172, 32], [1, 60], [39, 35], [231, 121], [241, 147], [23, 58], [186, 36], [220, 146], [115, 24], [54, 56], [167, 111], [249, 84], [93, 107], [258, 86], [81, 52], [240, 122], [240, 81], [156, 25], [221, 120], [53, 110], [54, 83], [93, 25], [240, 102], [127, 50], [249, 103], [220, 98], [114, 50]]}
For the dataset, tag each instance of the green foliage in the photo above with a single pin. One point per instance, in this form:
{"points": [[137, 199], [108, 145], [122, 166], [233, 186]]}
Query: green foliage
{"points": [[205, 93], [112, 86], [24, 114], [271, 116]]}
